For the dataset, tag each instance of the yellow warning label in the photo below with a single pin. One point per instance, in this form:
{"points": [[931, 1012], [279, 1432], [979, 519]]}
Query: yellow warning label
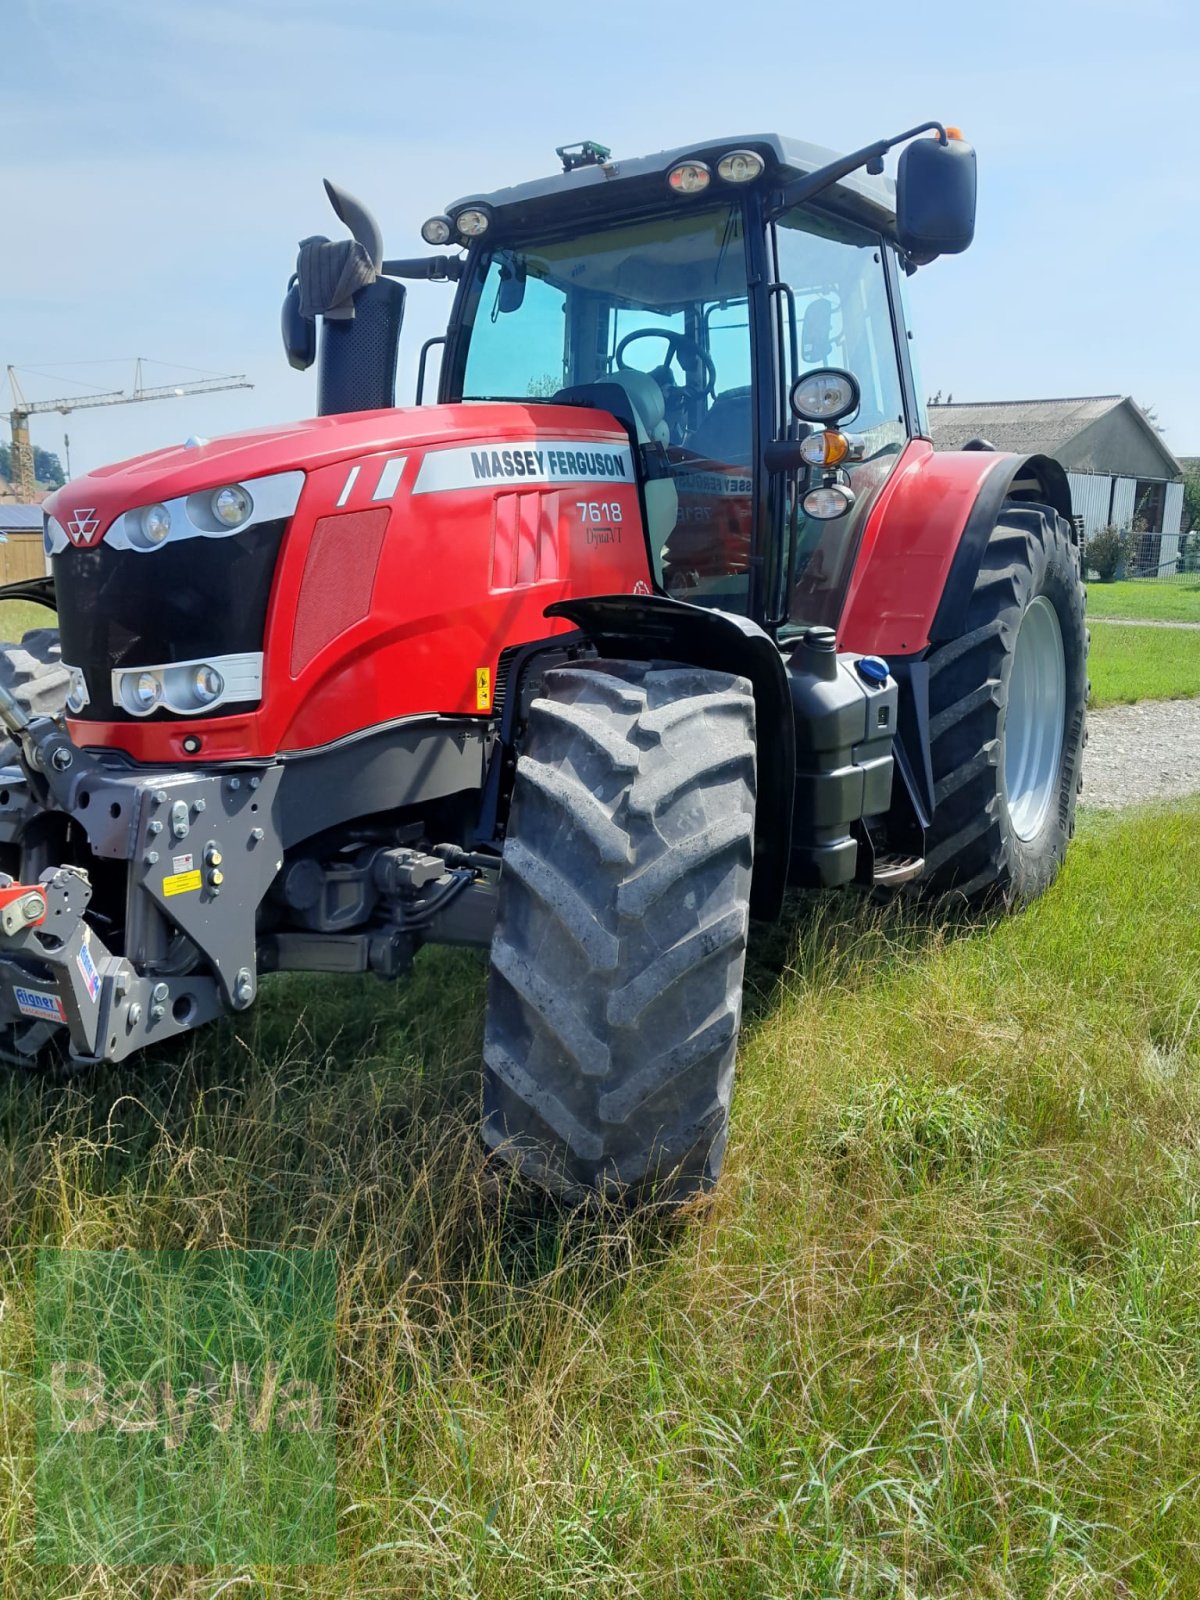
{"points": [[181, 883], [483, 688]]}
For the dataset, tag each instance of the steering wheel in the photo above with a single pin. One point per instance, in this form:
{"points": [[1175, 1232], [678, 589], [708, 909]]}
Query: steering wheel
{"points": [[679, 348]]}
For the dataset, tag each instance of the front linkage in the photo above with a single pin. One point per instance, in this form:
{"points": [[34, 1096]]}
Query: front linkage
{"points": [[200, 851]]}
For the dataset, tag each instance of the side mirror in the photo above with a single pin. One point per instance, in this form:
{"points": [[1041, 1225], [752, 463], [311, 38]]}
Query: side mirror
{"points": [[510, 292], [815, 341], [299, 331], [935, 198]]}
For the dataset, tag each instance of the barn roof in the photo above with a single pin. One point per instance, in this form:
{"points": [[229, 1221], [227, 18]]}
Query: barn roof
{"points": [[1041, 427], [20, 519], [1029, 426]]}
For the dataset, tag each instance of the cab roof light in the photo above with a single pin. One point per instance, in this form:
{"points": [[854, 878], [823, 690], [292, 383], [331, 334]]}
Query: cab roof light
{"points": [[471, 221], [740, 166], [689, 177], [437, 230]]}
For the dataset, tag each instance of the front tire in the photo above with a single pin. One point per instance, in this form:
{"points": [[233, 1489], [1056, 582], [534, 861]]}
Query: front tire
{"points": [[1008, 709], [614, 997], [33, 672]]}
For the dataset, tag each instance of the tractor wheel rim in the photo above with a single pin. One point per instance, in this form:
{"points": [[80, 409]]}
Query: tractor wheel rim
{"points": [[1034, 725]]}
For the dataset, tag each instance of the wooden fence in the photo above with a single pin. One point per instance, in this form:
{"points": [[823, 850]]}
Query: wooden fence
{"points": [[21, 556]]}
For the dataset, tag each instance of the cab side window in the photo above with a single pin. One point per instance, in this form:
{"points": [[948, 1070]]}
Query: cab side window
{"points": [[843, 317]]}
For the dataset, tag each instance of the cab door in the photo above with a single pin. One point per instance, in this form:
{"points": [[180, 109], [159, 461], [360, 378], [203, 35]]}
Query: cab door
{"points": [[834, 308]]}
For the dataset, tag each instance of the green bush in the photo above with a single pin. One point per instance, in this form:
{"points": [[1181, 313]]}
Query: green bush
{"points": [[1105, 552]]}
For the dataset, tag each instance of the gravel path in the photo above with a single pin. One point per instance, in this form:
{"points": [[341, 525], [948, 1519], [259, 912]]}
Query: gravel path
{"points": [[1144, 622], [1150, 751]]}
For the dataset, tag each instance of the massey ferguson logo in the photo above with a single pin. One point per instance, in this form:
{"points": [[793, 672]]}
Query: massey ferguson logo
{"points": [[81, 525]]}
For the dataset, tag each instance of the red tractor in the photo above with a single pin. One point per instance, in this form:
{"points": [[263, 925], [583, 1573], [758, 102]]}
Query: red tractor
{"points": [[666, 604]]}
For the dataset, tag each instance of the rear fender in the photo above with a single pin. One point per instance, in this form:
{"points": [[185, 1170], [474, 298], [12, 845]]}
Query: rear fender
{"points": [[924, 542], [655, 628]]}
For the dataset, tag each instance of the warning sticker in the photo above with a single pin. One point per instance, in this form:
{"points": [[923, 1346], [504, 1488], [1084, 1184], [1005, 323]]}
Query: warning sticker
{"points": [[87, 970], [483, 688], [37, 1003], [181, 883]]}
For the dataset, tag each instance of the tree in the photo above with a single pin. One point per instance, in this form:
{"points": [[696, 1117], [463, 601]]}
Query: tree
{"points": [[1191, 493], [47, 468]]}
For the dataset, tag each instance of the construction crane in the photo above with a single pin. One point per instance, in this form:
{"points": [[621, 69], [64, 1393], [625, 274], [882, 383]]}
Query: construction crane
{"points": [[22, 473]]}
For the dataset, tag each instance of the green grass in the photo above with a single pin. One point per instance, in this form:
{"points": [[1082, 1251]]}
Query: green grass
{"points": [[936, 1334], [1128, 664], [18, 616], [1177, 601]]}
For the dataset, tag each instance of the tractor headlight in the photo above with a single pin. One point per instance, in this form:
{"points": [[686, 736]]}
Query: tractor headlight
{"points": [[828, 501], [740, 166], [825, 395], [145, 690], [207, 684], [472, 222], [231, 505], [153, 525]]}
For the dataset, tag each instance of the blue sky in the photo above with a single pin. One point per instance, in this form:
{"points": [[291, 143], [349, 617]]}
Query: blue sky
{"points": [[164, 158]]}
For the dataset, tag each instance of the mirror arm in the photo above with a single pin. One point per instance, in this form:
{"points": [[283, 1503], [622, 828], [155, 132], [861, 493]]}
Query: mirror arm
{"points": [[436, 268], [870, 156]]}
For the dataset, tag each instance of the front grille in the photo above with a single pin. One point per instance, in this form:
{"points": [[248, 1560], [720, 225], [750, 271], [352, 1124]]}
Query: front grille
{"points": [[183, 602]]}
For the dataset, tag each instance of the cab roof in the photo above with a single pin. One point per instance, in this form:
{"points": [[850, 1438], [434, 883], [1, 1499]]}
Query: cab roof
{"points": [[619, 184]]}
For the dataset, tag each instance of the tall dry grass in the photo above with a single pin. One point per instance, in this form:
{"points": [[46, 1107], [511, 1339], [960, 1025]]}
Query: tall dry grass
{"points": [[936, 1334]]}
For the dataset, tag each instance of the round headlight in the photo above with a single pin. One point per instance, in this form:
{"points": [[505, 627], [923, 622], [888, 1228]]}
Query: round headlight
{"points": [[829, 501], [207, 684], [438, 230], [231, 505], [689, 177], [155, 524], [472, 222], [740, 166], [147, 691], [826, 395]]}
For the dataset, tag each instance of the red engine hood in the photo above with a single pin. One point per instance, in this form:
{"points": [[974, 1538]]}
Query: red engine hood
{"points": [[100, 496]]}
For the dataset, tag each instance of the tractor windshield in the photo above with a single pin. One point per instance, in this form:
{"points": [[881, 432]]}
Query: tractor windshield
{"points": [[660, 307]]}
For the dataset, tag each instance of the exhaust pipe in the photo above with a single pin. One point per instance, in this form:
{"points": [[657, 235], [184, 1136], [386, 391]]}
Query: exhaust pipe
{"points": [[361, 313]]}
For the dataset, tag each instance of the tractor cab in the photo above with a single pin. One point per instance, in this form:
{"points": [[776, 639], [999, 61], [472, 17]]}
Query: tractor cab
{"points": [[689, 294]]}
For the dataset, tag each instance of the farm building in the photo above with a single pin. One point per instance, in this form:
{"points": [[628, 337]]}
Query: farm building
{"points": [[1121, 473], [22, 553]]}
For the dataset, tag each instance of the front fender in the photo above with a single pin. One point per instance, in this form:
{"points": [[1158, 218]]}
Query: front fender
{"points": [[924, 541], [654, 627]]}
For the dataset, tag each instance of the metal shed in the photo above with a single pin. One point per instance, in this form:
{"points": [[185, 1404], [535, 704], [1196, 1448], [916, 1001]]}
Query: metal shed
{"points": [[1120, 471]]}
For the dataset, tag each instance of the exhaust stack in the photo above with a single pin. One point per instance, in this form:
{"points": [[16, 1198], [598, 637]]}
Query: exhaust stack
{"points": [[361, 313]]}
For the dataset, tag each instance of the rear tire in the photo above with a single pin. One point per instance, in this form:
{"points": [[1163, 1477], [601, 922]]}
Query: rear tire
{"points": [[1008, 709], [614, 997]]}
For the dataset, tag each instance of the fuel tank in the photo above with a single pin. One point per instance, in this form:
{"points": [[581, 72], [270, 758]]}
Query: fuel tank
{"points": [[282, 589]]}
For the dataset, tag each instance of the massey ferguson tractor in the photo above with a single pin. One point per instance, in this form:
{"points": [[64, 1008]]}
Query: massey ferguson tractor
{"points": [[665, 605]]}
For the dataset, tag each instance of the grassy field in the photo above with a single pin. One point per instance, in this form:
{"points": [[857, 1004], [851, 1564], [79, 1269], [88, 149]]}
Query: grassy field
{"points": [[1151, 602], [1128, 664], [18, 616], [935, 1335]]}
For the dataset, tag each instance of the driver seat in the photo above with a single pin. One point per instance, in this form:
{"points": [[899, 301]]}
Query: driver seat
{"points": [[647, 411]]}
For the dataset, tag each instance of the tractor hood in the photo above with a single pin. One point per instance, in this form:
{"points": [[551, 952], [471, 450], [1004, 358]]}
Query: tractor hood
{"points": [[82, 512], [166, 567]]}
